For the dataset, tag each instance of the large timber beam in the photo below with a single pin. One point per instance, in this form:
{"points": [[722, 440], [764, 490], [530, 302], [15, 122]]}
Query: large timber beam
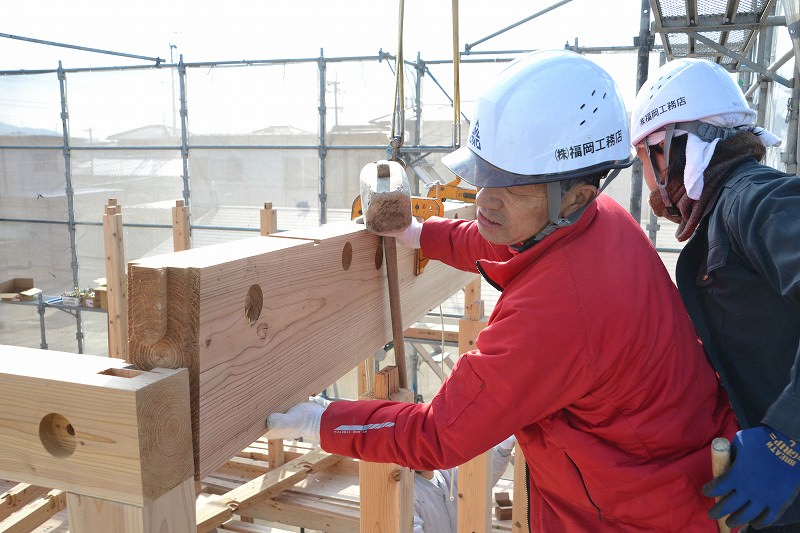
{"points": [[262, 323], [115, 438]]}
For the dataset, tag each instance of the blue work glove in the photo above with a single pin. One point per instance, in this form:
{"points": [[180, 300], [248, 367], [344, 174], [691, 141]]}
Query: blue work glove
{"points": [[763, 480]]}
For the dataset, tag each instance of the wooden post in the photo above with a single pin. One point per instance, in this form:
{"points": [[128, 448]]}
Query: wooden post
{"points": [[181, 231], [387, 489], [473, 304], [269, 224], [117, 291], [269, 219], [115, 439], [474, 492], [172, 512], [519, 511]]}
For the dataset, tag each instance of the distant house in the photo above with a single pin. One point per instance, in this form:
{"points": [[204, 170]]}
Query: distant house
{"points": [[152, 135]]}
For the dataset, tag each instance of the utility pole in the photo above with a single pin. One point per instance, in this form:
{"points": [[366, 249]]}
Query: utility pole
{"points": [[172, 85], [336, 108]]}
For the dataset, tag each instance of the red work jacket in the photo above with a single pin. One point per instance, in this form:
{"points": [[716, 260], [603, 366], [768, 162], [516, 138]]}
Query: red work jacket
{"points": [[590, 359]]}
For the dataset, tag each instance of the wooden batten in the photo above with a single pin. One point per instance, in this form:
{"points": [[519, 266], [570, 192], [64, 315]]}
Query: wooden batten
{"points": [[89, 425], [116, 291], [262, 323], [181, 229]]}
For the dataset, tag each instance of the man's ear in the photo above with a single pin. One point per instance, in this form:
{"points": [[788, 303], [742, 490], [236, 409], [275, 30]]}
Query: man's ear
{"points": [[577, 198]]}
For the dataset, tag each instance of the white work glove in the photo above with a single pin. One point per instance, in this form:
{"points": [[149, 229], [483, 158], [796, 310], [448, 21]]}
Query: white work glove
{"points": [[408, 237], [299, 422]]}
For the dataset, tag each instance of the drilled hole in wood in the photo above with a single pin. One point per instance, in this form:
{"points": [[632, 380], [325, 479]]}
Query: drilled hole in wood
{"points": [[379, 258], [121, 372], [347, 255], [57, 435], [254, 303]]}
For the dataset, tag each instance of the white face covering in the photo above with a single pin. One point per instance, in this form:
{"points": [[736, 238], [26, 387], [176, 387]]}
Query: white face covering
{"points": [[699, 151]]}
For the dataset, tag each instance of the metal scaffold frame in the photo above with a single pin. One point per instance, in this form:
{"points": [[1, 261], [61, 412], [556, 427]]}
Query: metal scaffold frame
{"points": [[707, 35]]}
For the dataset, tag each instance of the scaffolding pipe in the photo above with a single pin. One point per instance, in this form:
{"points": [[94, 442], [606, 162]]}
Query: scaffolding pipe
{"points": [[157, 60], [763, 51], [70, 194], [652, 222], [184, 132], [420, 69], [456, 80], [642, 67], [323, 151], [469, 46], [792, 13]]}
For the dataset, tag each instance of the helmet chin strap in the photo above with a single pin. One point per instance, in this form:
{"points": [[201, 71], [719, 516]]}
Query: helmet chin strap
{"points": [[669, 132], [556, 221]]}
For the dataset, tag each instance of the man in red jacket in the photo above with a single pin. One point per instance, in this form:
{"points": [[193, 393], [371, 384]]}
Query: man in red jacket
{"points": [[593, 366]]}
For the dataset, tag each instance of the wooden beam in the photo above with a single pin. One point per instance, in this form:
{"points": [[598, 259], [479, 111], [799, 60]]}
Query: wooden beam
{"points": [[89, 425], [18, 497], [329, 514], [431, 334], [262, 323], [244, 527], [35, 513], [217, 510]]}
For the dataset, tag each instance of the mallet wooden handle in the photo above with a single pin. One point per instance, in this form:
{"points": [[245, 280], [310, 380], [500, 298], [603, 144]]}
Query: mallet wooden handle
{"points": [[720, 462], [390, 250]]}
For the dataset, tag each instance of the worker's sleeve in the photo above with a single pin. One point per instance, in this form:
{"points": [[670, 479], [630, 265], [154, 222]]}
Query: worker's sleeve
{"points": [[458, 243], [529, 365], [769, 231]]}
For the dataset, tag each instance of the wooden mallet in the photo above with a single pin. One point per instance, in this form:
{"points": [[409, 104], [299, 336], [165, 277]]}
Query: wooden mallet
{"points": [[720, 463], [386, 207]]}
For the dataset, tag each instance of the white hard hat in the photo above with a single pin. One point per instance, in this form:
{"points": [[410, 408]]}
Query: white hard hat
{"points": [[686, 90], [551, 116]]}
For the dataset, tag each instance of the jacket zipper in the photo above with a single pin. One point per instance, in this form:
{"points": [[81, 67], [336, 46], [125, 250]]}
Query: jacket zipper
{"points": [[527, 495], [489, 280], [586, 489]]}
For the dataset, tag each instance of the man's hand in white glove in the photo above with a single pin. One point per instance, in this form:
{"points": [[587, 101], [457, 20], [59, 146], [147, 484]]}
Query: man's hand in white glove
{"points": [[408, 237], [300, 422]]}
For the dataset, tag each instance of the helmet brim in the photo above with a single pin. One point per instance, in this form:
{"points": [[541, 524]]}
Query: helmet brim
{"points": [[478, 172]]}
